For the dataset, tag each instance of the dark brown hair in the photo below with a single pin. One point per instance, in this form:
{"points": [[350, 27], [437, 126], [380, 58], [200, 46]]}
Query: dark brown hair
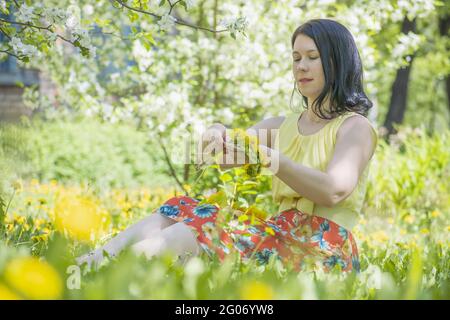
{"points": [[342, 68]]}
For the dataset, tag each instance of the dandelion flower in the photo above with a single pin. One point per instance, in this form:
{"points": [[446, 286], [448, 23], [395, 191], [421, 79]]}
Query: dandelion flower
{"points": [[33, 278], [82, 218], [256, 290]]}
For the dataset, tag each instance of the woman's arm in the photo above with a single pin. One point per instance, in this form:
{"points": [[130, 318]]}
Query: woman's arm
{"points": [[355, 145]]}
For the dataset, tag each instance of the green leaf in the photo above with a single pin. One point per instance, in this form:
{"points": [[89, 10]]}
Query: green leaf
{"points": [[226, 177], [102, 22], [149, 37], [161, 3], [133, 16], [183, 3]]}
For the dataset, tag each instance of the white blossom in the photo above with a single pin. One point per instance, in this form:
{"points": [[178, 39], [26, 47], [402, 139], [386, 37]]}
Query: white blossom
{"points": [[92, 51], [72, 21], [55, 15], [407, 44], [23, 49], [25, 13], [3, 5], [52, 36], [166, 22], [190, 4], [88, 9], [115, 76], [235, 24], [142, 56], [81, 35]]}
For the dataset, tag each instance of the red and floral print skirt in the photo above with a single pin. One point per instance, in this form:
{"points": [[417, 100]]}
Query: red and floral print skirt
{"points": [[294, 237]]}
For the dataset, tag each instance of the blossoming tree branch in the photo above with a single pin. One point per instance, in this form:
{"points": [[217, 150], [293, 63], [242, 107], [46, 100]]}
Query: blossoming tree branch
{"points": [[30, 29]]}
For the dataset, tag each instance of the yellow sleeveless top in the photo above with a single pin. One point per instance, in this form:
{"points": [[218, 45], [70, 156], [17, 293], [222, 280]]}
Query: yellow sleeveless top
{"points": [[316, 151]]}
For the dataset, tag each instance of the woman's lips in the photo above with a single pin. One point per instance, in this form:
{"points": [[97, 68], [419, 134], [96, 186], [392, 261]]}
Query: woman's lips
{"points": [[305, 80]]}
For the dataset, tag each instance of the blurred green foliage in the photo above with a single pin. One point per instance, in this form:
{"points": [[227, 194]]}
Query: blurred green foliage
{"points": [[83, 150]]}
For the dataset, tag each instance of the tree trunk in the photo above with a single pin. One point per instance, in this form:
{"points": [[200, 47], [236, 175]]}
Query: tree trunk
{"points": [[444, 26], [399, 92]]}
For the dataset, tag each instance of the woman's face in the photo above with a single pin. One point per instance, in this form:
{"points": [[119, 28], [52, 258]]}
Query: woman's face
{"points": [[307, 67]]}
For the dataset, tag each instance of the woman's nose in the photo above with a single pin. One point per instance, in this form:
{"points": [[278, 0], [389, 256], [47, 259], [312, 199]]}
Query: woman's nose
{"points": [[302, 66]]}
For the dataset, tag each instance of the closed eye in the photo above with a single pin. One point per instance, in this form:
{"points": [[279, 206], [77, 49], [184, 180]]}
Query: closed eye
{"points": [[312, 58]]}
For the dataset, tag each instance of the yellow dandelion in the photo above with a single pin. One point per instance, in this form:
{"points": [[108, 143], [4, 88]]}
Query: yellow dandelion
{"points": [[6, 294], [270, 231], [409, 219], [256, 290], [256, 212], [39, 222], [142, 204], [390, 220], [20, 219], [38, 238], [403, 232], [448, 228], [424, 231], [33, 278], [80, 217], [243, 218], [380, 236], [250, 145], [435, 214], [28, 201], [46, 230]]}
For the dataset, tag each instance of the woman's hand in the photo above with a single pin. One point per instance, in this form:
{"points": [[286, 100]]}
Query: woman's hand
{"points": [[268, 157], [233, 154], [212, 143], [239, 157]]}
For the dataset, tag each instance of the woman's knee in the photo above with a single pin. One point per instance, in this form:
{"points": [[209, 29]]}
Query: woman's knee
{"points": [[182, 237]]}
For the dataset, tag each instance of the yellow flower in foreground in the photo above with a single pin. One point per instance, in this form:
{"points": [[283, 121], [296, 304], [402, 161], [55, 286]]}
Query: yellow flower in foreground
{"points": [[409, 219], [256, 290], [269, 231], [6, 294], [380, 236], [33, 278], [80, 217], [435, 214], [249, 144], [257, 212]]}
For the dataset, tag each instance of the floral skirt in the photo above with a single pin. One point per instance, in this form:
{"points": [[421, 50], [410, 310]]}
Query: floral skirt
{"points": [[296, 238]]}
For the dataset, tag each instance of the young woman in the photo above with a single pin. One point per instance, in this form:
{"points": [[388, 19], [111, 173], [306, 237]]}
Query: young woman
{"points": [[323, 158]]}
